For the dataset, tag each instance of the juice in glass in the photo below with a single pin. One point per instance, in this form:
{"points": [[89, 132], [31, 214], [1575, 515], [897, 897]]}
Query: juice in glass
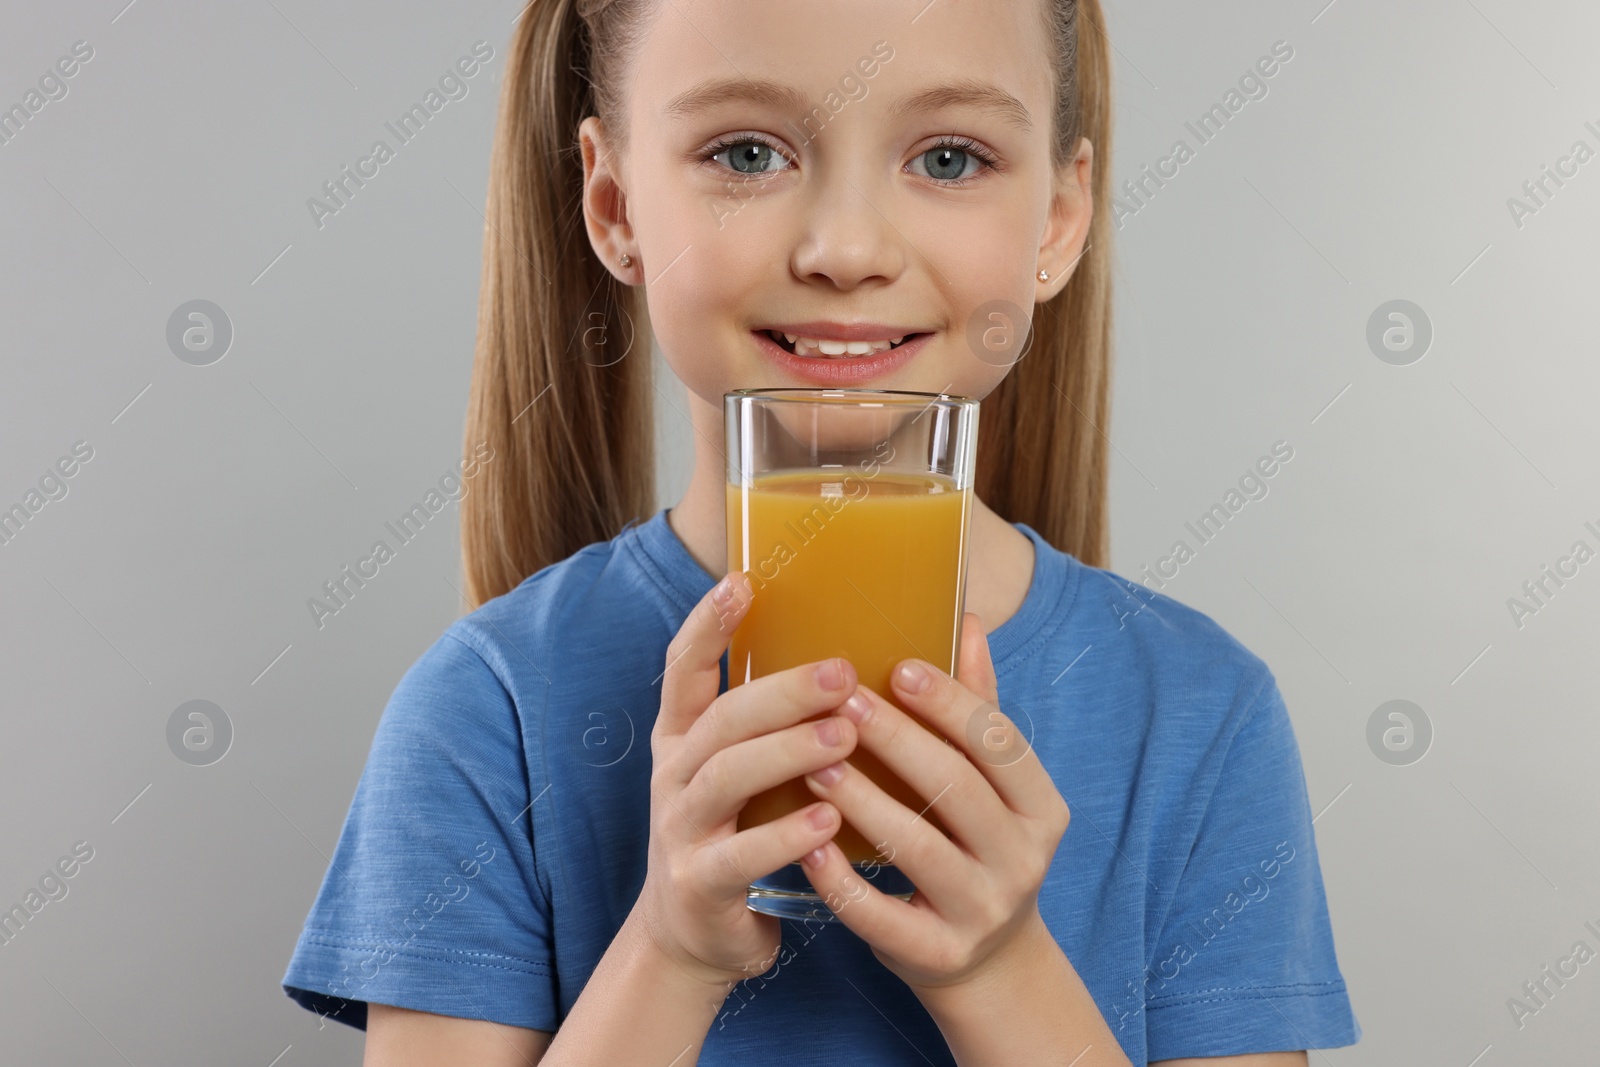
{"points": [[868, 568]]}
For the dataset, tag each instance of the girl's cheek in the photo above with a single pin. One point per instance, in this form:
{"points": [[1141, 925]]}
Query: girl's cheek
{"points": [[698, 325]]}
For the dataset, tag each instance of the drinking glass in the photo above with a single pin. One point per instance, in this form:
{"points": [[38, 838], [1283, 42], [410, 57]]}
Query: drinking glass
{"points": [[849, 510]]}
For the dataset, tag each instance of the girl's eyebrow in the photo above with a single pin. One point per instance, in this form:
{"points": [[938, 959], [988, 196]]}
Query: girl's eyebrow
{"points": [[966, 92], [709, 94]]}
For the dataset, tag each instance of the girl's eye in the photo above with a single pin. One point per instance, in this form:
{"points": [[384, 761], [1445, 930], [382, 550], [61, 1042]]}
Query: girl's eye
{"points": [[747, 156], [953, 161], [947, 162]]}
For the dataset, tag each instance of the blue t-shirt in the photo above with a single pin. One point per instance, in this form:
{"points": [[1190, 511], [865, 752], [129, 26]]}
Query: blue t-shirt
{"points": [[497, 839]]}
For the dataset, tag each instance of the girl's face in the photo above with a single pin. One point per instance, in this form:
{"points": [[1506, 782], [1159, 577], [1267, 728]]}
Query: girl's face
{"points": [[833, 164]]}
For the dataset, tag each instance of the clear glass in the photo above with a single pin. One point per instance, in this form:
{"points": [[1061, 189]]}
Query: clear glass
{"points": [[850, 511]]}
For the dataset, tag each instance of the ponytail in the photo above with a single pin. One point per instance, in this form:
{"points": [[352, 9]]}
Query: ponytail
{"points": [[1042, 444], [561, 381]]}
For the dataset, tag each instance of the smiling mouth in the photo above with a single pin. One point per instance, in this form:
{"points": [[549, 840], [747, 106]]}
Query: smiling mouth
{"points": [[813, 348]]}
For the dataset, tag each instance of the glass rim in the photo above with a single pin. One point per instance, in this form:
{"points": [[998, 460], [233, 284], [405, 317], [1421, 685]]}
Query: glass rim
{"points": [[807, 393]]}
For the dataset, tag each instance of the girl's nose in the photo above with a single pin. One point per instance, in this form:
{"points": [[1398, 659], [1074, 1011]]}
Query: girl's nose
{"points": [[847, 239]]}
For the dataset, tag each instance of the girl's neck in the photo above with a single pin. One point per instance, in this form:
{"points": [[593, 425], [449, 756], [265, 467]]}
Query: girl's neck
{"points": [[1000, 557]]}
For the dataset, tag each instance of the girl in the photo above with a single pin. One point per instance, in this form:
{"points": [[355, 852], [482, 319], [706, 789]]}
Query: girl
{"points": [[541, 861]]}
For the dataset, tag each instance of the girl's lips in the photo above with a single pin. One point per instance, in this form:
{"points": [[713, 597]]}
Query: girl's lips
{"points": [[842, 370]]}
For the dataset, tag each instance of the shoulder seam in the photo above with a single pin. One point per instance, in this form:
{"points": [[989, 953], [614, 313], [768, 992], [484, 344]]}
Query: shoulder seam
{"points": [[522, 751], [1257, 702]]}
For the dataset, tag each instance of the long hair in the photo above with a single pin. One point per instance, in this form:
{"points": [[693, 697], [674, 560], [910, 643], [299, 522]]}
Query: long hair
{"points": [[562, 386]]}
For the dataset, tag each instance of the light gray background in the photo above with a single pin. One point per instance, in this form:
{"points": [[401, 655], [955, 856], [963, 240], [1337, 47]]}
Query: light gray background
{"points": [[1378, 568]]}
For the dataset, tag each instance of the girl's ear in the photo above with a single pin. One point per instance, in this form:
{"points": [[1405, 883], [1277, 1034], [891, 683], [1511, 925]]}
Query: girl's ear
{"points": [[605, 203], [1071, 208]]}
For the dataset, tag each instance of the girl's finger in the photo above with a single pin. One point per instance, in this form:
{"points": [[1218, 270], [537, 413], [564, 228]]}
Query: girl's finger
{"points": [[951, 787], [887, 923], [977, 726], [936, 866], [727, 781], [693, 665], [730, 865], [761, 706], [975, 666]]}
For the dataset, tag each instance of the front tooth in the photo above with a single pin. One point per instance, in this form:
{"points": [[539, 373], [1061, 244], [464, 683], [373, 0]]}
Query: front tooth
{"points": [[858, 348], [832, 348]]}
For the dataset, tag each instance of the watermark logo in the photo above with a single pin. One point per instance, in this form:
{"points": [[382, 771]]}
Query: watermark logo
{"points": [[199, 733], [340, 590], [450, 889], [52, 87], [199, 332], [1399, 733], [51, 887], [1208, 525], [851, 88], [742, 991], [608, 738], [1000, 333], [594, 340], [52, 486], [1253, 887], [1541, 589], [834, 497], [454, 84], [1541, 989], [1538, 192], [1137, 193], [996, 739], [1399, 333]]}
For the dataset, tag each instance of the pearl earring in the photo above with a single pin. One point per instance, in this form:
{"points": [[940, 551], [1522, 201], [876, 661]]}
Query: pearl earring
{"points": [[626, 260], [1044, 276]]}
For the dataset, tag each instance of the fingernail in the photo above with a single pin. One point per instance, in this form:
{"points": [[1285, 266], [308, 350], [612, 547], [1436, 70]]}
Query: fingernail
{"points": [[830, 675], [814, 858], [722, 595], [828, 775], [858, 707], [828, 731], [821, 817], [912, 677]]}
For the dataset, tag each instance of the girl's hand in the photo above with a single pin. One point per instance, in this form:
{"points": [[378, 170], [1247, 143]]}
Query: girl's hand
{"points": [[711, 754], [977, 899]]}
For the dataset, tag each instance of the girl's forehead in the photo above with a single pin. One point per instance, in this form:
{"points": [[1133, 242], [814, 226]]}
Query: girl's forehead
{"points": [[971, 93], [812, 46]]}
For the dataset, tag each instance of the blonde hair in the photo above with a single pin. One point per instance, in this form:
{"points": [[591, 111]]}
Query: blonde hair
{"points": [[562, 386]]}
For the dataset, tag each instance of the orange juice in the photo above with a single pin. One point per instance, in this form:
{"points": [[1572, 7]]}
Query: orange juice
{"points": [[842, 564]]}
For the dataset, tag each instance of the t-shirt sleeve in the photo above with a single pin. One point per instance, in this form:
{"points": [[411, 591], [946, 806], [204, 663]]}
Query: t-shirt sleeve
{"points": [[1245, 960], [431, 901]]}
